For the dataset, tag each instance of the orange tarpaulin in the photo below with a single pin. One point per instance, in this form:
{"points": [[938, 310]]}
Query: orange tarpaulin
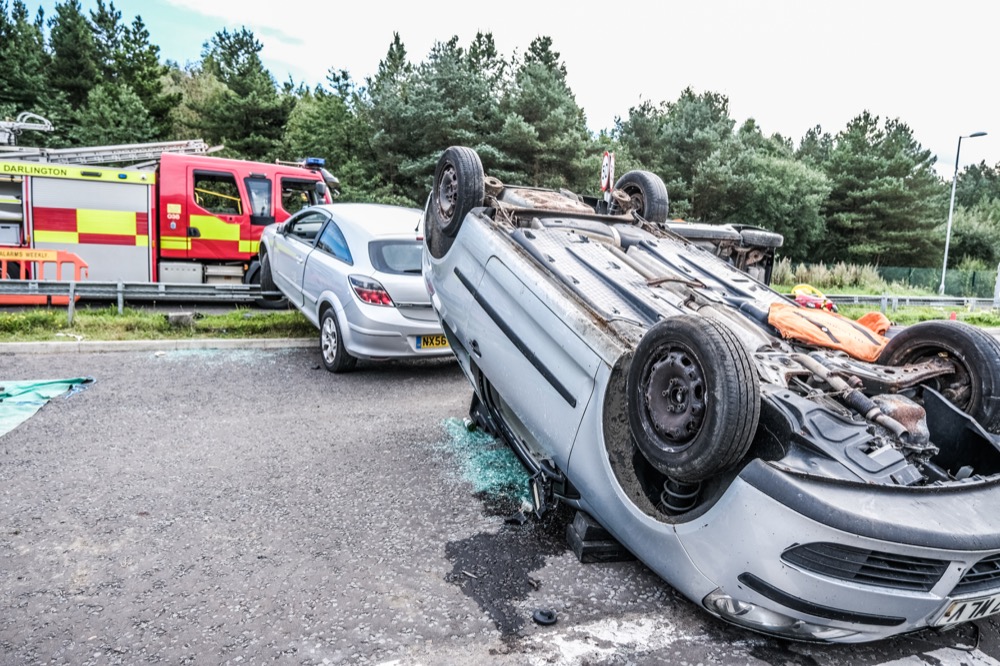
{"points": [[826, 329]]}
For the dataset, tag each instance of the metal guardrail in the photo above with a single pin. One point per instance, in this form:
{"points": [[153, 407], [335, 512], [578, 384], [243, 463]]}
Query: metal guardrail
{"points": [[888, 303], [161, 292], [136, 291], [248, 293]]}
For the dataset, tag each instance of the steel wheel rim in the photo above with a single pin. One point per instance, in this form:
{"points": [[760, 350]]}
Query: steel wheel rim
{"points": [[638, 201], [448, 191], [675, 398], [328, 340]]}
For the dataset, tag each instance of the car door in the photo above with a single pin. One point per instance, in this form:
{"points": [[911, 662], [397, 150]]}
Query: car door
{"points": [[326, 268], [291, 247], [542, 372]]}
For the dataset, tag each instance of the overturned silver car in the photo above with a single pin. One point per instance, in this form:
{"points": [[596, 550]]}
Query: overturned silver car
{"points": [[782, 477]]}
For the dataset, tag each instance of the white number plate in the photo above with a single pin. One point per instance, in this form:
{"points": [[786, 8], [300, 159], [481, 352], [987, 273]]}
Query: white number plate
{"points": [[963, 610]]}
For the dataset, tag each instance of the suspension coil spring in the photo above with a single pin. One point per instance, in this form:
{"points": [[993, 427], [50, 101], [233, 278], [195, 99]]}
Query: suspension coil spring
{"points": [[678, 496]]}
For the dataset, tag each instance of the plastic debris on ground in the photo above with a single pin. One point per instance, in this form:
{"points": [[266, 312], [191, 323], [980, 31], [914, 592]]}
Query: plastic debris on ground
{"points": [[20, 400]]}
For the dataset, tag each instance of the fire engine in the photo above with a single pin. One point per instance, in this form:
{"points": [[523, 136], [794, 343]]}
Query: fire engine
{"points": [[182, 217]]}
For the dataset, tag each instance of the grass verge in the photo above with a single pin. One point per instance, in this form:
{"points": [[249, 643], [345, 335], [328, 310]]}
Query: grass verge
{"points": [[913, 314], [50, 325]]}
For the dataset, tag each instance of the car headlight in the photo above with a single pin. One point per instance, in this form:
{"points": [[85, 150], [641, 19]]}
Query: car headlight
{"points": [[755, 617]]}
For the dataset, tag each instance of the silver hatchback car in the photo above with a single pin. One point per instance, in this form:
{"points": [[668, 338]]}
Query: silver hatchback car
{"points": [[354, 271], [786, 469]]}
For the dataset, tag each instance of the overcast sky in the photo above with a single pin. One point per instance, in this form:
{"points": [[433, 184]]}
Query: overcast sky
{"points": [[789, 64]]}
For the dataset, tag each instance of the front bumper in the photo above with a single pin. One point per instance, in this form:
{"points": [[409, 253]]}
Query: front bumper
{"points": [[739, 544]]}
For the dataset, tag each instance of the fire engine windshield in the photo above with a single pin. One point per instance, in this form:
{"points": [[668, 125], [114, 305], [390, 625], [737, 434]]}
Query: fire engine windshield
{"points": [[297, 193]]}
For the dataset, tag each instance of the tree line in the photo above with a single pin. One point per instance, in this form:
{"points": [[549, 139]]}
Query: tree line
{"points": [[867, 194]]}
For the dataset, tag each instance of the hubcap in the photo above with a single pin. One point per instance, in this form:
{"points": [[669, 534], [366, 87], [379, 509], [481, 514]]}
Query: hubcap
{"points": [[675, 397], [328, 341]]}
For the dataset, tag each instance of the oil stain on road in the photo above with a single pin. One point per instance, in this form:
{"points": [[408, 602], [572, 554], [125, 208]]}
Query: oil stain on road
{"points": [[495, 568]]}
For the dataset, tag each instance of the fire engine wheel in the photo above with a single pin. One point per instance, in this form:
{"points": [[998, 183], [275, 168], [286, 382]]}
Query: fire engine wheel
{"points": [[331, 345], [459, 186], [693, 398], [974, 385], [648, 195], [266, 281]]}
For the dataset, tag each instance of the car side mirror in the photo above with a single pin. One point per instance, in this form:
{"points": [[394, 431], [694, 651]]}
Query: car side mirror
{"points": [[261, 220], [321, 189]]}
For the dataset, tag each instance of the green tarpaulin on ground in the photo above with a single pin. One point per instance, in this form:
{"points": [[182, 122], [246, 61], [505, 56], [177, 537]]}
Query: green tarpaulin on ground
{"points": [[19, 400]]}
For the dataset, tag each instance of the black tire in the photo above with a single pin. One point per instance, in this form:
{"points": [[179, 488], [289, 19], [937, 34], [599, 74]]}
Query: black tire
{"points": [[331, 344], [761, 238], [459, 186], [266, 281], [13, 270], [648, 195], [974, 385], [693, 398]]}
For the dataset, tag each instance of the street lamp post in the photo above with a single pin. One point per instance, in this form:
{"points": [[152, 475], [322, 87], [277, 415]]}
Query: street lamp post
{"points": [[951, 207]]}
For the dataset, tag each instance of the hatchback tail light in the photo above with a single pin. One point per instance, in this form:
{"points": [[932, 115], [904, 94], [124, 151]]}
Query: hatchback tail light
{"points": [[370, 291]]}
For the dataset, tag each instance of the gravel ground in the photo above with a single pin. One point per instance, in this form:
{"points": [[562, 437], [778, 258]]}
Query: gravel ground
{"points": [[245, 506]]}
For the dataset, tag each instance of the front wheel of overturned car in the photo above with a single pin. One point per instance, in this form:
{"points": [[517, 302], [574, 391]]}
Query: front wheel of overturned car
{"points": [[693, 398], [975, 355], [459, 186], [647, 193], [331, 344]]}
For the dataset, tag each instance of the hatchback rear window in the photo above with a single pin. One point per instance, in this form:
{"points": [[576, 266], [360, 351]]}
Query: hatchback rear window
{"points": [[397, 256]]}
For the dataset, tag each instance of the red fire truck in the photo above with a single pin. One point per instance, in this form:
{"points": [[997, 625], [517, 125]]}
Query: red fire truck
{"points": [[188, 218]]}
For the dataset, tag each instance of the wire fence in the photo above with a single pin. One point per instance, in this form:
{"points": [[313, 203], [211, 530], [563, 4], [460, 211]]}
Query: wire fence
{"points": [[970, 284]]}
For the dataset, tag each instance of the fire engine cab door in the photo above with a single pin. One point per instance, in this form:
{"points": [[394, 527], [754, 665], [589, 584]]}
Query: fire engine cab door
{"points": [[220, 214], [292, 244]]}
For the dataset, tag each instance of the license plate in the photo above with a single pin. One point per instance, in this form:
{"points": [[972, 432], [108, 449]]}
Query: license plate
{"points": [[432, 342], [969, 609]]}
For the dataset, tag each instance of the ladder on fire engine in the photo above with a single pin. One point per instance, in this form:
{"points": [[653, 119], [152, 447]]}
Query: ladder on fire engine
{"points": [[125, 153], [120, 154]]}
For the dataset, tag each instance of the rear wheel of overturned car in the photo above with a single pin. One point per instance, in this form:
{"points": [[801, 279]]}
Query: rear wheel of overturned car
{"points": [[648, 195], [266, 281], [693, 398], [975, 355], [459, 186], [331, 344]]}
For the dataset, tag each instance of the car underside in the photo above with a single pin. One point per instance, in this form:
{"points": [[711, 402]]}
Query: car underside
{"points": [[784, 477]]}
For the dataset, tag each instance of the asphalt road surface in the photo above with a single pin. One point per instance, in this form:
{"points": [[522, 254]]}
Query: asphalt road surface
{"points": [[248, 507]]}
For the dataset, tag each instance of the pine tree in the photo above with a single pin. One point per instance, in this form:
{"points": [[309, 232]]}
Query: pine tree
{"points": [[249, 115], [23, 76], [544, 137], [886, 201], [75, 61]]}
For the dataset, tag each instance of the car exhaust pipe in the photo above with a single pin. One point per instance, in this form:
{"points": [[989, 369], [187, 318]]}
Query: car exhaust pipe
{"points": [[855, 399]]}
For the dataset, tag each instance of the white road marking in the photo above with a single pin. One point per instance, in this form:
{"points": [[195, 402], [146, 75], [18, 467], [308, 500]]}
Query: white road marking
{"points": [[945, 657]]}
